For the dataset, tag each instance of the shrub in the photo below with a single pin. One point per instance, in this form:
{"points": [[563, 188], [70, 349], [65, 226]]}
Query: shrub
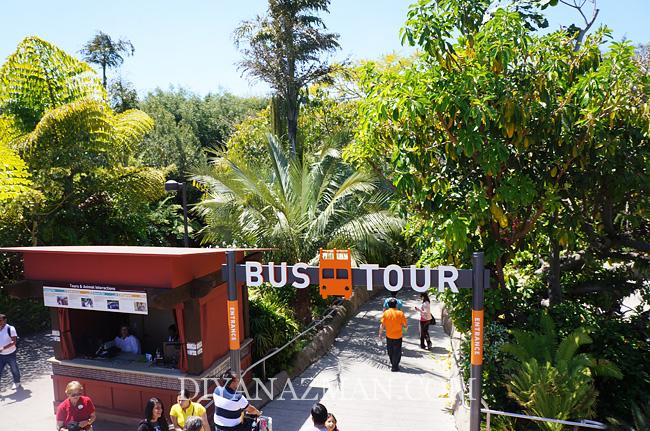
{"points": [[272, 324], [27, 315], [552, 379]]}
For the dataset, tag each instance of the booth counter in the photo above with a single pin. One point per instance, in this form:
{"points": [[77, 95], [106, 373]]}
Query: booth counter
{"points": [[93, 291]]}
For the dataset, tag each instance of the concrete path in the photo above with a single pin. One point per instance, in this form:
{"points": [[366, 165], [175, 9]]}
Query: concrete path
{"points": [[353, 380]]}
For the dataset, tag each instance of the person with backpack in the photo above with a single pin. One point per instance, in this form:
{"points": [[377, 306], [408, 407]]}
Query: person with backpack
{"points": [[394, 321], [393, 295], [8, 339]]}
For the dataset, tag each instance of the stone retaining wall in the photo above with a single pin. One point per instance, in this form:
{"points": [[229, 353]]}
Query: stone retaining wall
{"points": [[460, 411]]}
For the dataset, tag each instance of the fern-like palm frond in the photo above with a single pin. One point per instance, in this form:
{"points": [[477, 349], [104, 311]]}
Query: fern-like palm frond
{"points": [[38, 77], [14, 177]]}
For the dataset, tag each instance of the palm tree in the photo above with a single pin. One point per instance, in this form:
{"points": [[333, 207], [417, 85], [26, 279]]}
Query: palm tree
{"points": [[285, 49], [106, 52], [296, 206]]}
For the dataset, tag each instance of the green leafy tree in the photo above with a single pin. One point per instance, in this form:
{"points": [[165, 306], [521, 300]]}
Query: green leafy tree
{"points": [[284, 49], [550, 378], [489, 133], [186, 126], [106, 52], [122, 95], [301, 205], [14, 176], [77, 150]]}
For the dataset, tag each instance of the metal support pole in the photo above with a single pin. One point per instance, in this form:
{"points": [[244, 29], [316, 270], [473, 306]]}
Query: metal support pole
{"points": [[235, 353], [476, 347], [186, 237]]}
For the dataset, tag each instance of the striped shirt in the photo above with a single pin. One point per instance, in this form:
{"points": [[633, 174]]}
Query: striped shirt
{"points": [[229, 406]]}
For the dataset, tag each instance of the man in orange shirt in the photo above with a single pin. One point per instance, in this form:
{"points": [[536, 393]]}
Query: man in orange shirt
{"points": [[393, 320]]}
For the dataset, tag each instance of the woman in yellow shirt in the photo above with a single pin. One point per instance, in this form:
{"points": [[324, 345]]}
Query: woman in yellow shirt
{"points": [[185, 408]]}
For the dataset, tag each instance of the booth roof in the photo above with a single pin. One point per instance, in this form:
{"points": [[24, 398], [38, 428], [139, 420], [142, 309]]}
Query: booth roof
{"points": [[161, 267], [126, 250]]}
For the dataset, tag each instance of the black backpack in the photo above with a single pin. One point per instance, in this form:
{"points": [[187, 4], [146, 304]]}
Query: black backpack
{"points": [[9, 334]]}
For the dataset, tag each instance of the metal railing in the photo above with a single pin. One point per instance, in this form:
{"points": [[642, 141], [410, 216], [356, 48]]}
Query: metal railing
{"points": [[277, 350], [584, 423]]}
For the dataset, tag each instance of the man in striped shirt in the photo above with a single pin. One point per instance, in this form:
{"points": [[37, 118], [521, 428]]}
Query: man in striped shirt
{"points": [[230, 405]]}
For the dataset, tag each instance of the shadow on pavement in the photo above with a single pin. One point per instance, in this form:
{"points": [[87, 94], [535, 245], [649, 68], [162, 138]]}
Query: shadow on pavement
{"points": [[32, 355], [15, 397]]}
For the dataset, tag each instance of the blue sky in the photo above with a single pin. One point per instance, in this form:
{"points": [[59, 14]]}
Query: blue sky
{"points": [[190, 43]]}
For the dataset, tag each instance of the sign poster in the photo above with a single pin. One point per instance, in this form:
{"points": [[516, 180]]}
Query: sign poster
{"points": [[477, 337], [96, 298], [233, 324]]}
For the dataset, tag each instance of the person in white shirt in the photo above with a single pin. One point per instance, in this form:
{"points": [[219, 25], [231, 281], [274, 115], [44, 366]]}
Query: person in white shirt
{"points": [[426, 318], [127, 343], [8, 337]]}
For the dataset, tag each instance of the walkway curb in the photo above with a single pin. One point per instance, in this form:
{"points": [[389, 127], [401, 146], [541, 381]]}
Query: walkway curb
{"points": [[460, 411]]}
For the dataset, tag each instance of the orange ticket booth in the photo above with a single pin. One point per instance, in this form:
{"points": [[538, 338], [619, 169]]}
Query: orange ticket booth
{"points": [[172, 300]]}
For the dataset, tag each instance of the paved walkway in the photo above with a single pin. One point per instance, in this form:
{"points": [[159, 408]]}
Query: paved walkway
{"points": [[353, 380], [32, 407]]}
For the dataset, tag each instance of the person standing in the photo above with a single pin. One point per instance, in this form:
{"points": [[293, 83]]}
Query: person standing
{"points": [[185, 408], [8, 337], [425, 320], [230, 405], [154, 416], [394, 322], [76, 411], [393, 295], [319, 417]]}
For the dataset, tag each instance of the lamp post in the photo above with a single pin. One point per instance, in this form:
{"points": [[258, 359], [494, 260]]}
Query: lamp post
{"points": [[171, 186]]}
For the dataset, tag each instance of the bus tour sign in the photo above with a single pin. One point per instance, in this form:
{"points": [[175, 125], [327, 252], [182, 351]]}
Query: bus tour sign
{"points": [[335, 276]]}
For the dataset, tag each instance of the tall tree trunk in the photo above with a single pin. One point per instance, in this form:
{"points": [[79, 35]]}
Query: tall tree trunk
{"points": [[554, 286], [34, 232], [104, 76], [278, 123], [292, 123], [303, 306]]}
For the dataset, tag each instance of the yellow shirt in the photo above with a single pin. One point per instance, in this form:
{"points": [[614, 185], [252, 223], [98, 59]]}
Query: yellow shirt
{"points": [[393, 320], [194, 409]]}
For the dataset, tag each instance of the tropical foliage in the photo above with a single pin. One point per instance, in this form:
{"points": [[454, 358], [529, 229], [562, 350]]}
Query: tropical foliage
{"points": [[77, 151], [186, 126], [550, 378], [534, 148], [106, 52], [302, 204], [284, 49]]}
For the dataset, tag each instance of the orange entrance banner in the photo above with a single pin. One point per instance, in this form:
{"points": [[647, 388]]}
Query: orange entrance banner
{"points": [[477, 337], [233, 325]]}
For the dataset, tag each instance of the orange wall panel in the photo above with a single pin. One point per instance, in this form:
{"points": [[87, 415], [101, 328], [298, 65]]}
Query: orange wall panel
{"points": [[214, 324]]}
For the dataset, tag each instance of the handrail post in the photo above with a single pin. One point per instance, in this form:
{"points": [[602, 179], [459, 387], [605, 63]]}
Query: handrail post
{"points": [[233, 320], [476, 347]]}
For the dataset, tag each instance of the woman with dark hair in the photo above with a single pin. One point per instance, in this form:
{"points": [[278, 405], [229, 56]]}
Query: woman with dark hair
{"points": [[154, 416], [426, 318]]}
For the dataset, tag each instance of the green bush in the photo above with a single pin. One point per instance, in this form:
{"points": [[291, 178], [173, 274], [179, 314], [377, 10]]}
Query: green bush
{"points": [[272, 325], [27, 315], [550, 378]]}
